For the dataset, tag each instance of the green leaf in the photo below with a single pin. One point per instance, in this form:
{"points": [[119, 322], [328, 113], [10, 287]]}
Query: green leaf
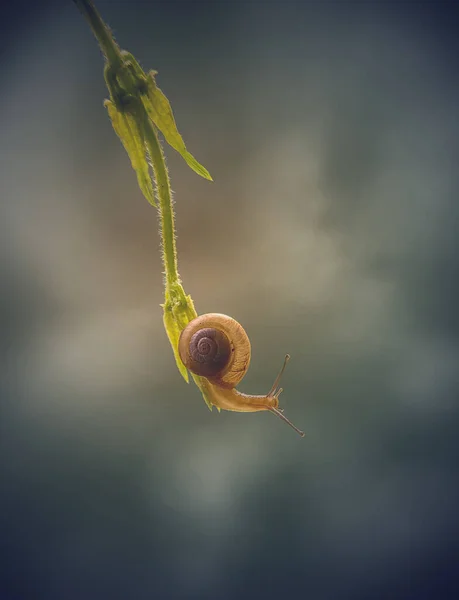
{"points": [[200, 382], [173, 333], [129, 131], [160, 112]]}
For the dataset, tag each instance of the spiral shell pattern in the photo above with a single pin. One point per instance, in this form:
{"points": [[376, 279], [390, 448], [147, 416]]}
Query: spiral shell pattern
{"points": [[210, 351], [215, 346]]}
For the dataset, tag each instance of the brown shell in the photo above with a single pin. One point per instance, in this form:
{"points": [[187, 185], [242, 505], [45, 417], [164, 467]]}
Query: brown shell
{"points": [[239, 359]]}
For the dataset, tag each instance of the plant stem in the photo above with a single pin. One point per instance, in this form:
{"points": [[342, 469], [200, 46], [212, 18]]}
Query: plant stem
{"points": [[125, 89], [166, 210], [115, 60], [101, 31]]}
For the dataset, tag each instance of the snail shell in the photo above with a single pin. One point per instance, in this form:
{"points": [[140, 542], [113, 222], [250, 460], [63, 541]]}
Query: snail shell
{"points": [[216, 346]]}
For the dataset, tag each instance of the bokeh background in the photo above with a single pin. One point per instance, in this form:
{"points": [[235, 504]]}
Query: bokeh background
{"points": [[331, 130]]}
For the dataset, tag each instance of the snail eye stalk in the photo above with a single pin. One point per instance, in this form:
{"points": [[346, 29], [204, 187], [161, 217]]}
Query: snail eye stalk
{"points": [[284, 418], [274, 392]]}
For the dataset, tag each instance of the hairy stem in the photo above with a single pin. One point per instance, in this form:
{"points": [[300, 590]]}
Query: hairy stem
{"points": [[101, 31], [115, 63], [127, 86], [166, 211]]}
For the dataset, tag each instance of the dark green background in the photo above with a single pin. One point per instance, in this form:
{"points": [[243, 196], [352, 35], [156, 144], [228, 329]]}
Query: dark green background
{"points": [[330, 232]]}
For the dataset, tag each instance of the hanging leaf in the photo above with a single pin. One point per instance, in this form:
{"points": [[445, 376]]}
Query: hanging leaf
{"points": [[201, 383], [160, 112], [128, 130], [173, 333]]}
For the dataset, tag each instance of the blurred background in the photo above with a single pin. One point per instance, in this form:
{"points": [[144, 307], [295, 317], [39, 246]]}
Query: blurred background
{"points": [[331, 130]]}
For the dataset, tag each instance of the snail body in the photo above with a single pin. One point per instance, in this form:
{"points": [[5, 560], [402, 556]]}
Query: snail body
{"points": [[216, 348]]}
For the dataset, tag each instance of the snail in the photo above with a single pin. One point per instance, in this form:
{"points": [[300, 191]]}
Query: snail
{"points": [[216, 347]]}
